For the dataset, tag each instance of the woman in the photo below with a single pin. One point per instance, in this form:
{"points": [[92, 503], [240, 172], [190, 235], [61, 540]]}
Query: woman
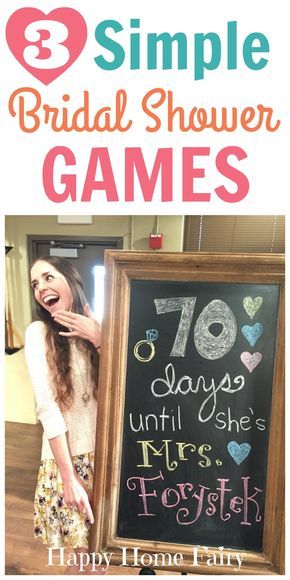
{"points": [[62, 354]]}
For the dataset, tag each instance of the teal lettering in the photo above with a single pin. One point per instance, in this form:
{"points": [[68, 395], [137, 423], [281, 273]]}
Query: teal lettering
{"points": [[167, 41], [111, 45], [135, 45], [200, 62], [249, 49], [232, 45]]}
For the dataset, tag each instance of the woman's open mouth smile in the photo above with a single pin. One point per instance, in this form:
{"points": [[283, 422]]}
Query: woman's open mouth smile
{"points": [[50, 300]]}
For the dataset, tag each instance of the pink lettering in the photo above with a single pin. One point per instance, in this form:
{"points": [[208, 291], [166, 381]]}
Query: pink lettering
{"points": [[48, 173], [190, 507], [248, 499], [233, 174], [163, 163], [166, 495], [211, 498], [223, 491], [100, 155], [132, 486], [190, 173]]}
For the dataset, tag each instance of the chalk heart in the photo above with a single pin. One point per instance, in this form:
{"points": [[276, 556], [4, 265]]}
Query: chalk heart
{"points": [[251, 305], [238, 452], [251, 360], [252, 333], [46, 44]]}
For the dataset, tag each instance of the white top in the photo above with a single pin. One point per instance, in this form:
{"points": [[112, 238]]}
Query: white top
{"points": [[79, 420]]}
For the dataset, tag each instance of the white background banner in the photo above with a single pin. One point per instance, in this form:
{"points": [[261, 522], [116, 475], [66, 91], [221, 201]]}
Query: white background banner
{"points": [[205, 135]]}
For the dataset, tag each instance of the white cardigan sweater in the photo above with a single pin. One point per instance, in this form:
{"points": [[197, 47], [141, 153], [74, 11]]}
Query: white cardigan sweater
{"points": [[80, 420]]}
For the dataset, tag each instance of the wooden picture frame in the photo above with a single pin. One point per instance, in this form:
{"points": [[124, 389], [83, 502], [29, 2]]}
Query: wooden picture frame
{"points": [[121, 268]]}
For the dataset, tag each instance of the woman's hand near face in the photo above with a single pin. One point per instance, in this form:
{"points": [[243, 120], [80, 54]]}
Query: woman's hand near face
{"points": [[83, 326]]}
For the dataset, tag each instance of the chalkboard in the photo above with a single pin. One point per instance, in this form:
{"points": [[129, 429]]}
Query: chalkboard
{"points": [[198, 368], [197, 412]]}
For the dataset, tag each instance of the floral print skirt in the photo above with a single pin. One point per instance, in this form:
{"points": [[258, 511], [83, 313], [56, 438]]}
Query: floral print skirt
{"points": [[54, 522]]}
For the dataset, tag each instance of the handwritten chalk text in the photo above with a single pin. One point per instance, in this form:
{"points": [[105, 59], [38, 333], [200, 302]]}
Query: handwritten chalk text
{"points": [[193, 500]]}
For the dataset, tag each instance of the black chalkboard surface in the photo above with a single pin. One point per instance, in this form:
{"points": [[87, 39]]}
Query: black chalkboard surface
{"points": [[197, 411], [189, 457]]}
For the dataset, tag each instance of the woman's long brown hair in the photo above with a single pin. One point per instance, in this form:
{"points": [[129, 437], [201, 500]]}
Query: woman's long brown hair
{"points": [[58, 347]]}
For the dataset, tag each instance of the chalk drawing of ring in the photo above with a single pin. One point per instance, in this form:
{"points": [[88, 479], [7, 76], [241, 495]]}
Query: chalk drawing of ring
{"points": [[144, 358]]}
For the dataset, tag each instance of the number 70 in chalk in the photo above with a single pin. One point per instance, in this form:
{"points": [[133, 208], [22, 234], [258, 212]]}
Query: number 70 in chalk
{"points": [[207, 344]]}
